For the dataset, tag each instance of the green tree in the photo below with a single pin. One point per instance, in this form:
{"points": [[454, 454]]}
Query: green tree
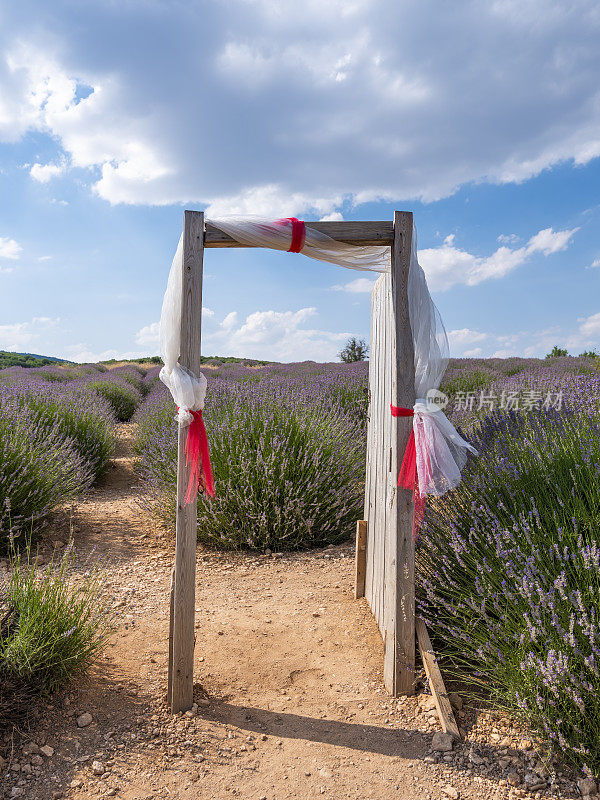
{"points": [[589, 354], [355, 350], [556, 352]]}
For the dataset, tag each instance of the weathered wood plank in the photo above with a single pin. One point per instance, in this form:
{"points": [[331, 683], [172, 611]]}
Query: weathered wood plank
{"points": [[372, 234], [182, 680], [436, 682], [360, 559], [171, 611], [401, 679]]}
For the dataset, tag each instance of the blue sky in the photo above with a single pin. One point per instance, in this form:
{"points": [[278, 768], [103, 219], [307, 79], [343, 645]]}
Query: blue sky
{"points": [[484, 119]]}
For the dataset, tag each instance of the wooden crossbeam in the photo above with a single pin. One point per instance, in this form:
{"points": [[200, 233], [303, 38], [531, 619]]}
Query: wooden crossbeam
{"points": [[372, 234]]}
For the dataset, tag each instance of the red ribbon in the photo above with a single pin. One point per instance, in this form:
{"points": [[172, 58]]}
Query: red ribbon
{"points": [[298, 234], [407, 477], [197, 458]]}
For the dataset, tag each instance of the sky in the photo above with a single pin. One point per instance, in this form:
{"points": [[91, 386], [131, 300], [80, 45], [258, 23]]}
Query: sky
{"points": [[116, 115]]}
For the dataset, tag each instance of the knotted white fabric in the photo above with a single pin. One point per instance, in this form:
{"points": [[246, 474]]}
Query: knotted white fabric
{"points": [[440, 452], [188, 390]]}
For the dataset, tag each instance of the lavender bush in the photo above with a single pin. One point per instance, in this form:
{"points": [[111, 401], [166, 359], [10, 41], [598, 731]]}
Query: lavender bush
{"points": [[509, 574], [288, 476], [78, 414], [53, 626], [39, 469], [123, 397]]}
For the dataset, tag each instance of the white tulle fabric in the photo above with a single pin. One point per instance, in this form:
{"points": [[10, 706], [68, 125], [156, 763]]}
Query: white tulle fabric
{"points": [[276, 235], [440, 452], [188, 390]]}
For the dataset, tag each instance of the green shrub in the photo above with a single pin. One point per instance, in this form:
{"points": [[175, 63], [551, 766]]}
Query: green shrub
{"points": [[122, 396], [87, 421], [286, 478], [39, 470], [509, 575], [55, 626], [467, 381]]}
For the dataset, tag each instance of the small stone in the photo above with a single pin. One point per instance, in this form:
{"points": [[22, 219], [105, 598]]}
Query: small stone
{"points": [[587, 786], [75, 783], [2, 762], [36, 760], [456, 700], [513, 778], [98, 768], [203, 702], [47, 750], [16, 791], [84, 720], [426, 702], [442, 742], [450, 791], [57, 795]]}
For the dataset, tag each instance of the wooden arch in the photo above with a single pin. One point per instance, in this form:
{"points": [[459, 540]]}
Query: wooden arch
{"points": [[385, 548]]}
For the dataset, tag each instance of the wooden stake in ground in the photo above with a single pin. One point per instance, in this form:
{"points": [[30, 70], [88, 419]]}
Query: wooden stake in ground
{"points": [[436, 682], [181, 668], [360, 559]]}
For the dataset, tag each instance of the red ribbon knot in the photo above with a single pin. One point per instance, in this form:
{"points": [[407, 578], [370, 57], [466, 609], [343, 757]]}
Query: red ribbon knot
{"points": [[298, 234], [407, 477], [197, 458]]}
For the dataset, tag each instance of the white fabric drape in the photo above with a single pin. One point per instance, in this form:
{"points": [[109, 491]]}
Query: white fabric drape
{"points": [[440, 452]]}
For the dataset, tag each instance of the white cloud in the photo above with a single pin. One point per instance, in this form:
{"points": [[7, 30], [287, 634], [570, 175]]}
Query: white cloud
{"points": [[476, 352], [9, 248], [82, 353], [590, 326], [297, 104], [148, 335], [508, 238], [465, 336], [18, 336], [595, 263], [43, 173], [275, 336], [358, 286], [448, 265]]}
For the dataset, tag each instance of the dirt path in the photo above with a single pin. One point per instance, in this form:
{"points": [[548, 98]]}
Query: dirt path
{"points": [[290, 696]]}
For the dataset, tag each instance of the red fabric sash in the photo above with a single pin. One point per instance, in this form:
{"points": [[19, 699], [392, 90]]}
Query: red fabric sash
{"points": [[298, 234], [407, 477], [197, 458]]}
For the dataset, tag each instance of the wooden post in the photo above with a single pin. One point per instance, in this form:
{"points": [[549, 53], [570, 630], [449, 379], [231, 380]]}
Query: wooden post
{"points": [[399, 665], [181, 667], [171, 609], [360, 559], [436, 682]]}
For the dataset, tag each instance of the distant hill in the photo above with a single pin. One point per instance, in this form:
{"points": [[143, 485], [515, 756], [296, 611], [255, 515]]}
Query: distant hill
{"points": [[8, 359], [203, 359]]}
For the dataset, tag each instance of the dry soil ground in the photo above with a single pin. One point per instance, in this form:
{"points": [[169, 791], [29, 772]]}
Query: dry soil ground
{"points": [[290, 701]]}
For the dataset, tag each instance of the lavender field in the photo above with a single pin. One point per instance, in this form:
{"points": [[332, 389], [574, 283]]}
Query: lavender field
{"points": [[508, 564]]}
